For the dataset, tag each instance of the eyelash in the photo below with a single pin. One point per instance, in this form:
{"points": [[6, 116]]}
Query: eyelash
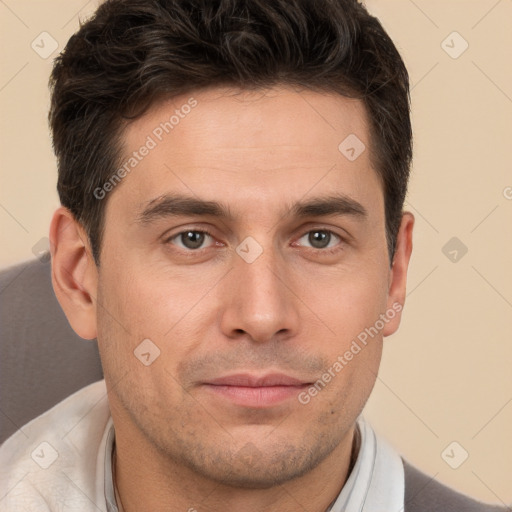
{"points": [[329, 250], [204, 231]]}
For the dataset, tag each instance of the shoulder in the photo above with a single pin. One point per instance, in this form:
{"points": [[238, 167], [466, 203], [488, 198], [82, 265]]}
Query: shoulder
{"points": [[425, 494], [54, 461]]}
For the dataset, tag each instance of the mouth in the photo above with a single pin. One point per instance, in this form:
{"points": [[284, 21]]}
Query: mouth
{"points": [[254, 391]]}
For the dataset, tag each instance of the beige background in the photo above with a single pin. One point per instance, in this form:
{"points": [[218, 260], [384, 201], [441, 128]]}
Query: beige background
{"points": [[446, 375]]}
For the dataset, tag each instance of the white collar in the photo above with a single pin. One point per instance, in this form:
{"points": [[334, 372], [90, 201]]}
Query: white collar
{"points": [[376, 482]]}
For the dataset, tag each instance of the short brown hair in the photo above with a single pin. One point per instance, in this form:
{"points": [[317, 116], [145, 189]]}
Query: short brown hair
{"points": [[132, 53]]}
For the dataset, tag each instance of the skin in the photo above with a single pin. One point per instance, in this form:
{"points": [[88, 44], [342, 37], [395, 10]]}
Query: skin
{"points": [[294, 309]]}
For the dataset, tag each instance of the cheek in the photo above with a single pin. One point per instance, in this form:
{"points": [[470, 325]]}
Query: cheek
{"points": [[347, 303], [149, 321], [148, 303], [136, 353], [341, 392], [352, 349]]}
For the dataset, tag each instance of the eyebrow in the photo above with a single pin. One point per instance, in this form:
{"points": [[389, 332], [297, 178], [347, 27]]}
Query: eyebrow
{"points": [[339, 204], [174, 205]]}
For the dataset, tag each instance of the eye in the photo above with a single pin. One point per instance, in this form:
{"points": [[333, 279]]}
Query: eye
{"points": [[190, 239], [320, 239]]}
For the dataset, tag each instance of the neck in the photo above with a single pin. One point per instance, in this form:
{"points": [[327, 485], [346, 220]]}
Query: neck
{"points": [[176, 488]]}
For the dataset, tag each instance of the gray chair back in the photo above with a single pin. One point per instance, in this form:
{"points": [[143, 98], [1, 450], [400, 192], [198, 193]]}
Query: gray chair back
{"points": [[42, 360]]}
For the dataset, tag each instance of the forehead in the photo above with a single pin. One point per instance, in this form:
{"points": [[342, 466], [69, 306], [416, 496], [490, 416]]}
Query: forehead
{"points": [[252, 146], [224, 118]]}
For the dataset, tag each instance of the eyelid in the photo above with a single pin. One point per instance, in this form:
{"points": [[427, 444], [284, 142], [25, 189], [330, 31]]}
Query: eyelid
{"points": [[342, 238], [325, 230], [339, 231], [169, 238], [184, 228]]}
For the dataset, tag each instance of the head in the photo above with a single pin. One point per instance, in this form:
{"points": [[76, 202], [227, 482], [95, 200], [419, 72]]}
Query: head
{"points": [[232, 177]]}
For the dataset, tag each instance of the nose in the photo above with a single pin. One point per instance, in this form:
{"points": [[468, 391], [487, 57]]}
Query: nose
{"points": [[259, 300]]}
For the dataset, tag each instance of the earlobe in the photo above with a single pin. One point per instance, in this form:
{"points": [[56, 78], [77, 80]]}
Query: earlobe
{"points": [[74, 273], [398, 273]]}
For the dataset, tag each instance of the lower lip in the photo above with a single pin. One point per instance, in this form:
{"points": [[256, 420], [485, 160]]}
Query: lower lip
{"points": [[256, 397]]}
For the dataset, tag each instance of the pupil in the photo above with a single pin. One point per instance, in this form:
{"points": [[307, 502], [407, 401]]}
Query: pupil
{"points": [[319, 239], [192, 239]]}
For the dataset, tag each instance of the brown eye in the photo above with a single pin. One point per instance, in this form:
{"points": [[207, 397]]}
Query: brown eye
{"points": [[320, 239], [190, 239]]}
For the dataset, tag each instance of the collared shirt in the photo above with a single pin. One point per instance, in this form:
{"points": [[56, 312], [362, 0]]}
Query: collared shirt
{"points": [[376, 482], [62, 460]]}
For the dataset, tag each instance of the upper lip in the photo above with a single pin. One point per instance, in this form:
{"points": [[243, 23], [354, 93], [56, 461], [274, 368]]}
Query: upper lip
{"points": [[255, 381]]}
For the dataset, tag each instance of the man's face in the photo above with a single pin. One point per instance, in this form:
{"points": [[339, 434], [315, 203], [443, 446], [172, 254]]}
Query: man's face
{"points": [[274, 287]]}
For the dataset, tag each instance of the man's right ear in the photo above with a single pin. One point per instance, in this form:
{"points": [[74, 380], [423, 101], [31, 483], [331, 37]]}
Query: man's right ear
{"points": [[74, 273]]}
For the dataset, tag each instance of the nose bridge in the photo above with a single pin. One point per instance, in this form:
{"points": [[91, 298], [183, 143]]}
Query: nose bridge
{"points": [[260, 302], [261, 278]]}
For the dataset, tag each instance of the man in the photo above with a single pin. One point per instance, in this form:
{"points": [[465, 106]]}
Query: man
{"points": [[232, 177]]}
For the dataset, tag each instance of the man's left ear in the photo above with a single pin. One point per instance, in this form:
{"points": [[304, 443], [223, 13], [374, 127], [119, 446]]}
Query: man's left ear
{"points": [[398, 274]]}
